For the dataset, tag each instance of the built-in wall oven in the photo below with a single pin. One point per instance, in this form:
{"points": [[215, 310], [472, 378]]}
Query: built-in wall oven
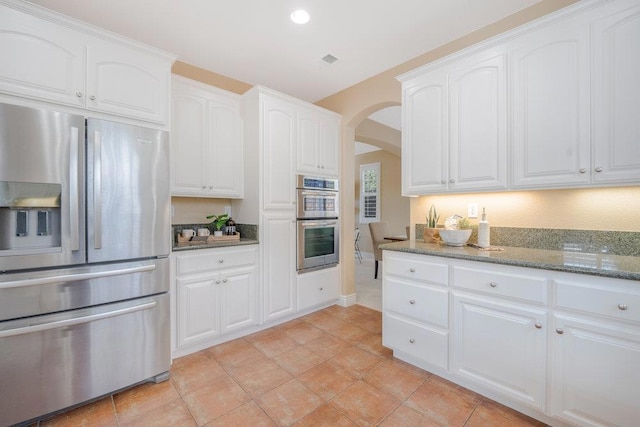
{"points": [[318, 226]]}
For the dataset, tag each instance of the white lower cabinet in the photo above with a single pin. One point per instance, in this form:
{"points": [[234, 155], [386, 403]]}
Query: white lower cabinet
{"points": [[215, 294], [502, 346], [561, 347]]}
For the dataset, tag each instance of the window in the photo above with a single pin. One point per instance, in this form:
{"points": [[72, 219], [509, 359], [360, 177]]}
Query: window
{"points": [[369, 193]]}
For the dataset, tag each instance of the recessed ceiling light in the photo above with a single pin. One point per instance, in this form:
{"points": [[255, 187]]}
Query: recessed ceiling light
{"points": [[300, 16]]}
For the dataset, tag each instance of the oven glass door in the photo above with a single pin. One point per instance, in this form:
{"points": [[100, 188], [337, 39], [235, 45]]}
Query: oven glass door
{"points": [[317, 204], [317, 243]]}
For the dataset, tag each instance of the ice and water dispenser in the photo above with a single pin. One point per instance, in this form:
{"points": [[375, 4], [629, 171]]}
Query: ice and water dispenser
{"points": [[29, 216]]}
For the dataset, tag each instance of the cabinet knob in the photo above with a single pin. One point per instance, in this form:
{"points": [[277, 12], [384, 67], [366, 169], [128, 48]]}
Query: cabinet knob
{"points": [[451, 181], [538, 325], [322, 167], [493, 284], [412, 301], [204, 187], [598, 169], [583, 170], [220, 261], [79, 94], [92, 97], [559, 331], [443, 182], [412, 340], [217, 282], [211, 187], [322, 289], [622, 307], [225, 280], [413, 270]]}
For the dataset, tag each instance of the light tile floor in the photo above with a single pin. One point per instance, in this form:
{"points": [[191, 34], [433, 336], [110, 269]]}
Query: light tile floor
{"points": [[368, 289], [328, 368]]}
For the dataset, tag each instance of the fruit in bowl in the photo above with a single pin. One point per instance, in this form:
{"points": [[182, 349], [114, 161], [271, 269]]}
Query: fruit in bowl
{"points": [[455, 237]]}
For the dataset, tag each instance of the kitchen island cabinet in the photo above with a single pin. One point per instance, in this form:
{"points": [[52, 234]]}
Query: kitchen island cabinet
{"points": [[51, 58], [215, 294], [558, 345]]}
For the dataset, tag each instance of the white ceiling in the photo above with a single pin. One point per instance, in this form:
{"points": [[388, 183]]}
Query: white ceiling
{"points": [[254, 41]]}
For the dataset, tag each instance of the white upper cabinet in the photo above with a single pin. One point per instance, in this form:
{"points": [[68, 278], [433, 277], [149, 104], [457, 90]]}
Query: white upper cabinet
{"points": [[477, 129], [317, 147], [40, 59], [278, 140], [550, 92], [424, 135], [552, 104], [207, 145], [616, 94], [50, 58]]}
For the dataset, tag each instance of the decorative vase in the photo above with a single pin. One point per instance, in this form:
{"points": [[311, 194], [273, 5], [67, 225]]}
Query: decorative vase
{"points": [[431, 235]]}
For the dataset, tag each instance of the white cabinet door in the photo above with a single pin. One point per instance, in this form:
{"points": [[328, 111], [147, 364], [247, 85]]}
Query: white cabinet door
{"points": [[550, 96], [206, 141], [596, 372], [278, 137], [225, 151], [477, 123], [616, 96], [40, 59], [308, 142], [279, 263], [501, 346], [425, 136], [329, 145], [189, 150], [198, 315], [318, 287], [238, 299]]}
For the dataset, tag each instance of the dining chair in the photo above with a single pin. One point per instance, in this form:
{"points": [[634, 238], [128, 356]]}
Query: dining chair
{"points": [[356, 246], [378, 231]]}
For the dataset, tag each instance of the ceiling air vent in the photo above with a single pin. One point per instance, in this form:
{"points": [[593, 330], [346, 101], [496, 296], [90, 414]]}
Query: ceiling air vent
{"points": [[325, 61]]}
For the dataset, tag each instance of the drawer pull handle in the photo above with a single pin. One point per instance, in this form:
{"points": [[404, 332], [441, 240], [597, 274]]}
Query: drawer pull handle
{"points": [[322, 289], [622, 307], [413, 270], [220, 261], [493, 284], [538, 325], [412, 301], [559, 331], [217, 282], [412, 340], [598, 169], [225, 280]]}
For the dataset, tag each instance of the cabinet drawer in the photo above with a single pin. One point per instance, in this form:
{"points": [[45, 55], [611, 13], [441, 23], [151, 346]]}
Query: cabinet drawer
{"points": [[426, 344], [608, 300], [510, 285], [215, 259], [318, 287], [419, 302], [415, 267]]}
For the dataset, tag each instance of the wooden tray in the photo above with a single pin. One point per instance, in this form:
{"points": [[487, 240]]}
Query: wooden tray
{"points": [[200, 240]]}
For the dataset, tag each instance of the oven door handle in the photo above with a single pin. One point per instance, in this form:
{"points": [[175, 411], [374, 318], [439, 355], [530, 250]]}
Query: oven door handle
{"points": [[318, 224], [75, 321]]}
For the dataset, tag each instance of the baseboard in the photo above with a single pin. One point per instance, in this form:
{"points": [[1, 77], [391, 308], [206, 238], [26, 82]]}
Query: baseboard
{"points": [[347, 300]]}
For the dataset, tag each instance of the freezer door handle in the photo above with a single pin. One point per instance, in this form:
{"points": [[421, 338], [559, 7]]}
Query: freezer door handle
{"points": [[74, 205], [76, 277], [97, 189], [75, 321]]}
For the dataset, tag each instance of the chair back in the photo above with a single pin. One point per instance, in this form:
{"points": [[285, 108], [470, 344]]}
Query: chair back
{"points": [[378, 232]]}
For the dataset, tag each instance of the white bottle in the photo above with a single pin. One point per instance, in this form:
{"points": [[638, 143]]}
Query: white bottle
{"points": [[483, 231]]}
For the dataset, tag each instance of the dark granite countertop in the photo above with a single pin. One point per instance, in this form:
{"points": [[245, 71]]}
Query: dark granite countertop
{"points": [[598, 264], [223, 244]]}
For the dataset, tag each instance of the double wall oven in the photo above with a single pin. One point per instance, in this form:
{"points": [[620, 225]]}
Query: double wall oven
{"points": [[318, 225]]}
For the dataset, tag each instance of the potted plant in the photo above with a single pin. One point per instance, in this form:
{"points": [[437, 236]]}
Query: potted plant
{"points": [[218, 221], [456, 233], [431, 233]]}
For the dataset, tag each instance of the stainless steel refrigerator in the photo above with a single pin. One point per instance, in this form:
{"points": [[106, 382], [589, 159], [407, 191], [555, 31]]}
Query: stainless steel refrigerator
{"points": [[84, 269]]}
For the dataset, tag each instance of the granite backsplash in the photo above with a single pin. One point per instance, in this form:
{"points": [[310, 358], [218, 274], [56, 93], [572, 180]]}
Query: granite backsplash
{"points": [[625, 243]]}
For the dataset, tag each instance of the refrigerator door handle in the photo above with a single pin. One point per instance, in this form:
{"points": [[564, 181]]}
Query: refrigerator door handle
{"points": [[74, 205], [97, 189], [75, 321], [76, 277]]}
